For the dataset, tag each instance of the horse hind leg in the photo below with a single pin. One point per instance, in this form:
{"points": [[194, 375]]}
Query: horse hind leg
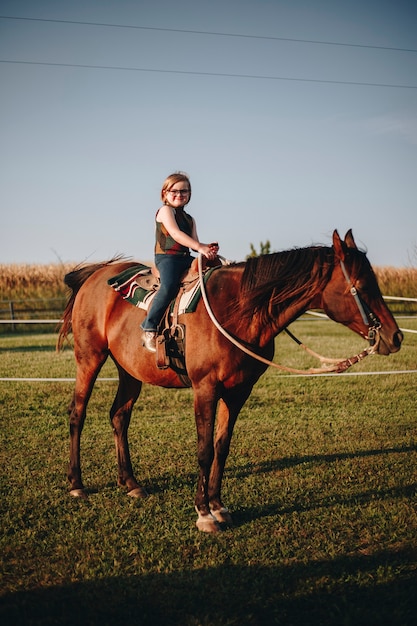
{"points": [[86, 377], [77, 411], [120, 414], [76, 422]]}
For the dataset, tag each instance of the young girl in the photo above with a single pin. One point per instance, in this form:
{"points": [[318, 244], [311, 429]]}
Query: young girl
{"points": [[176, 233]]}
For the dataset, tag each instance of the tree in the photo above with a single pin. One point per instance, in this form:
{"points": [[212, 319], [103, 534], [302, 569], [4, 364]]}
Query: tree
{"points": [[264, 248]]}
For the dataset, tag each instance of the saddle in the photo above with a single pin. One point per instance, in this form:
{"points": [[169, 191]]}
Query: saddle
{"points": [[189, 275], [138, 285], [148, 278]]}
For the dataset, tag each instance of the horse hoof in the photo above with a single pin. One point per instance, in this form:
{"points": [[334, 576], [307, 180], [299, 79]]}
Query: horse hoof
{"points": [[222, 516], [138, 492], [78, 493], [207, 523]]}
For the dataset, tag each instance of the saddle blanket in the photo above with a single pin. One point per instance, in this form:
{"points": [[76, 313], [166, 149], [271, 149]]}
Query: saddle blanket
{"points": [[138, 286]]}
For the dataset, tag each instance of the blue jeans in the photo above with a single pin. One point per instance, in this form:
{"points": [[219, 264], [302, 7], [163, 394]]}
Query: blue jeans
{"points": [[171, 267]]}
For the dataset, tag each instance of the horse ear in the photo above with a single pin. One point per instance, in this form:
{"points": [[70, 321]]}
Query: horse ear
{"points": [[349, 240], [338, 246]]}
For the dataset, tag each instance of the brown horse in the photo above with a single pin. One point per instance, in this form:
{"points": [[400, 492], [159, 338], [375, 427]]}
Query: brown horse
{"points": [[254, 301]]}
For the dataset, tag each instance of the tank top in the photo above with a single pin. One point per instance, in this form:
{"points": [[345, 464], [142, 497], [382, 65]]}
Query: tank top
{"points": [[165, 244]]}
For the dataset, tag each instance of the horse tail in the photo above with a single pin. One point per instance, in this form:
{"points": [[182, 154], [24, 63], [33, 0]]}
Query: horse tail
{"points": [[75, 280]]}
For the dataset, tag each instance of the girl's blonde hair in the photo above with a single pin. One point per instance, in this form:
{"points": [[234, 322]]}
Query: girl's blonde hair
{"points": [[176, 177]]}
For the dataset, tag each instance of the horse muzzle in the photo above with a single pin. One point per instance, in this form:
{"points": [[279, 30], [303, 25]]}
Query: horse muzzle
{"points": [[388, 344]]}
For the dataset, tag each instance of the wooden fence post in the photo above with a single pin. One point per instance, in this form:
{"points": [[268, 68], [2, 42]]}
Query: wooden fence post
{"points": [[11, 309]]}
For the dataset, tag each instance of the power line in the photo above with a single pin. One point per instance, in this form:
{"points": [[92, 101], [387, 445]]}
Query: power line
{"points": [[216, 74], [210, 33]]}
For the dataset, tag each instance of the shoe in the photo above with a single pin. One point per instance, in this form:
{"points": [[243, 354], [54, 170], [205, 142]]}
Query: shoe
{"points": [[149, 340]]}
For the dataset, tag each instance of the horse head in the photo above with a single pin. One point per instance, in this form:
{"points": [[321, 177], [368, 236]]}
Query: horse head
{"points": [[353, 298]]}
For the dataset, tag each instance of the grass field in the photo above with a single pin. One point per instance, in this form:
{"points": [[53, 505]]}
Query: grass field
{"points": [[321, 481]]}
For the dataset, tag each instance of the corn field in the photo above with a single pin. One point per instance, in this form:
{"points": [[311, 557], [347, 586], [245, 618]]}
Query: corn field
{"points": [[21, 282]]}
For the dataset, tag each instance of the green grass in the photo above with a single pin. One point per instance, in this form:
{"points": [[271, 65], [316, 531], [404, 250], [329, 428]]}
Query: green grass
{"points": [[321, 481]]}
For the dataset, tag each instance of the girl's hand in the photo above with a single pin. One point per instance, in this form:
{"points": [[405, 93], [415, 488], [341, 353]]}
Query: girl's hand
{"points": [[209, 250]]}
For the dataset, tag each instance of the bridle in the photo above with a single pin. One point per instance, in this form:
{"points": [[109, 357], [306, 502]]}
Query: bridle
{"points": [[369, 318]]}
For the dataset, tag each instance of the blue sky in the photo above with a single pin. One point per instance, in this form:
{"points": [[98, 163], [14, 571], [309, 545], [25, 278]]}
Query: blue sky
{"points": [[280, 139]]}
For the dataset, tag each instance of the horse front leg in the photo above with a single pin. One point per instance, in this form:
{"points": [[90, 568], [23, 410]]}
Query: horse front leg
{"points": [[120, 414], [229, 408], [205, 413]]}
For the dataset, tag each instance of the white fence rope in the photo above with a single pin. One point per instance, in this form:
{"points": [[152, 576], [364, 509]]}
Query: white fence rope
{"points": [[53, 321], [16, 321], [333, 375], [400, 299], [313, 313], [324, 316]]}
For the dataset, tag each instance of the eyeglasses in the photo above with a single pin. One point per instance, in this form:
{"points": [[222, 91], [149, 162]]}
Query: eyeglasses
{"points": [[179, 192]]}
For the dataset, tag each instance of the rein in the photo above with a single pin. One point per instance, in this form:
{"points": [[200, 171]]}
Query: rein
{"points": [[338, 365]]}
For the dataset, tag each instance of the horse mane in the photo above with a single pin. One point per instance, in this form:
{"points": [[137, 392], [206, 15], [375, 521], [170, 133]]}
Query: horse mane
{"points": [[74, 280], [275, 280]]}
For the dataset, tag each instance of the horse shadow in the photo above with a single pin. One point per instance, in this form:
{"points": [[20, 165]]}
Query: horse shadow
{"points": [[287, 462], [244, 515], [250, 595]]}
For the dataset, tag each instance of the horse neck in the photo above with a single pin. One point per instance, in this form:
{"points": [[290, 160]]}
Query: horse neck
{"points": [[290, 297], [262, 332]]}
